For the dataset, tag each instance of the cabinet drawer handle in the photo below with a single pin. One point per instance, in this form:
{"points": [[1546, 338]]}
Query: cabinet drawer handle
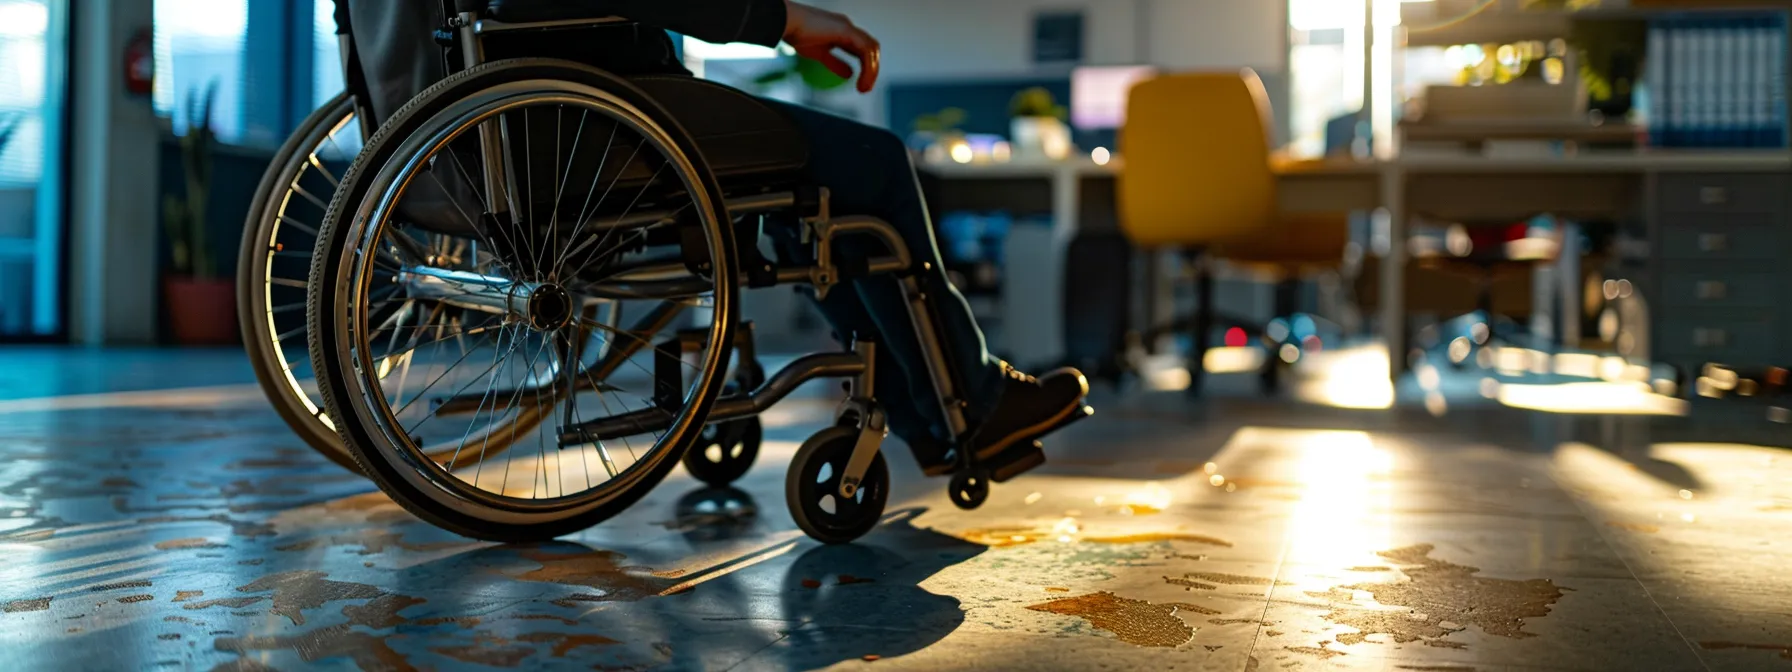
{"points": [[1710, 338], [1714, 196], [1713, 242], [1713, 290]]}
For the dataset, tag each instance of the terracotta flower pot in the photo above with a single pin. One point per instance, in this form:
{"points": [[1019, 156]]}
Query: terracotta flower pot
{"points": [[201, 312]]}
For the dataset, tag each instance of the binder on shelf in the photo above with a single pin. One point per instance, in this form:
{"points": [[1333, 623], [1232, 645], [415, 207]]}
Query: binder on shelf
{"points": [[1727, 74], [1655, 75], [1747, 88], [1776, 81]]}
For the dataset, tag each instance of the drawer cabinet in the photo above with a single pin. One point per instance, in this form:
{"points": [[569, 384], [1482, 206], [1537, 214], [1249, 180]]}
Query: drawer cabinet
{"points": [[1744, 193], [1684, 285], [1721, 289], [1705, 336], [1721, 238]]}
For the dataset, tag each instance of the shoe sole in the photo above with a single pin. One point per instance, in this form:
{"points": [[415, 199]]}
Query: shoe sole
{"points": [[1059, 420], [1012, 460]]}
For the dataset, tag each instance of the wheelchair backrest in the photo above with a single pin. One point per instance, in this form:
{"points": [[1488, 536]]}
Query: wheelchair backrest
{"points": [[399, 56]]}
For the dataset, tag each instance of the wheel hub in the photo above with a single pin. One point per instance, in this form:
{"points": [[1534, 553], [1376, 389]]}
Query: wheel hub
{"points": [[550, 307]]}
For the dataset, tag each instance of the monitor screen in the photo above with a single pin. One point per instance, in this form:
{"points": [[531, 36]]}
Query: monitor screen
{"points": [[1098, 94]]}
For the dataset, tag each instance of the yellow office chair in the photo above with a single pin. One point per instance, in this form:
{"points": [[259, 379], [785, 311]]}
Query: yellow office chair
{"points": [[1198, 177]]}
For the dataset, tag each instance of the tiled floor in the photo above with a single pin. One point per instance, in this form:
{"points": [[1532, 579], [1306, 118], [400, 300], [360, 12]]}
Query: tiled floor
{"points": [[192, 531]]}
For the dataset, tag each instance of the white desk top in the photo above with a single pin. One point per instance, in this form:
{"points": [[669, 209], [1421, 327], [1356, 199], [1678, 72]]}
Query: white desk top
{"points": [[1642, 161]]}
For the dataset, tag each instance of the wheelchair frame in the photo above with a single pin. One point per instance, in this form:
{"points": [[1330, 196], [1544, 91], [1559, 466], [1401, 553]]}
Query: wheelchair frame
{"points": [[859, 418]]}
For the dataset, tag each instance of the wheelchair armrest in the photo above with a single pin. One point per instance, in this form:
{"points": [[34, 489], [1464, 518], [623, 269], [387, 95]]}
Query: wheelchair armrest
{"points": [[538, 11]]}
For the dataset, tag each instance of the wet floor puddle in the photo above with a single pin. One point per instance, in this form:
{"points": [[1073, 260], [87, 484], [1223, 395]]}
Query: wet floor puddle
{"points": [[1067, 531], [1438, 599], [1135, 622]]}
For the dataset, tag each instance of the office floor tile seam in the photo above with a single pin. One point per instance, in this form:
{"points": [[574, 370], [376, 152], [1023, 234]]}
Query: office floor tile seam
{"points": [[1605, 537]]}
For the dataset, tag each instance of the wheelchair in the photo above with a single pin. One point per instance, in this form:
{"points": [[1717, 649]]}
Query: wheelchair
{"points": [[532, 243]]}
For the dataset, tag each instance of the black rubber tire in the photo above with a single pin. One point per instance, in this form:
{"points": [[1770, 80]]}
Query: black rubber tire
{"points": [[738, 446], [250, 256], [969, 488], [327, 301], [804, 489]]}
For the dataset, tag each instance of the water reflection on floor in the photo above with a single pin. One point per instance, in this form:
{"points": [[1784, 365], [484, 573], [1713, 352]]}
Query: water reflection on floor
{"points": [[192, 531]]}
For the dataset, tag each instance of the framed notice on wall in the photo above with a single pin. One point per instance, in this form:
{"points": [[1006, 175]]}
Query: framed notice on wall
{"points": [[1058, 37]]}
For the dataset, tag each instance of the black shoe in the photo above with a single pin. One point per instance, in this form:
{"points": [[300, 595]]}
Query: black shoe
{"points": [[1031, 408]]}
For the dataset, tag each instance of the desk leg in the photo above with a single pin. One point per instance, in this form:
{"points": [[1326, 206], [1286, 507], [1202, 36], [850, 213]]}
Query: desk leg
{"points": [[1066, 207], [1033, 281], [1568, 280], [1393, 272]]}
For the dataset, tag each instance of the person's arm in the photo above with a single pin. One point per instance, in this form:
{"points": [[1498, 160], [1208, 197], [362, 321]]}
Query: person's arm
{"points": [[816, 33], [813, 33], [758, 22]]}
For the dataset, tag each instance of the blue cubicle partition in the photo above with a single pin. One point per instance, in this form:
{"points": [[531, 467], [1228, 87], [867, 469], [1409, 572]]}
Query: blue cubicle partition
{"points": [[985, 103]]}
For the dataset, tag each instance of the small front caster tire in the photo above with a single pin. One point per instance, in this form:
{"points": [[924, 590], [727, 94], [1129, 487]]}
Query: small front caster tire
{"points": [[812, 488], [969, 488], [725, 452]]}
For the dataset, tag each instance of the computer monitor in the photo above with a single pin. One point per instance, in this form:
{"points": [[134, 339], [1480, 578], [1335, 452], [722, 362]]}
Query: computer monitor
{"points": [[1098, 94]]}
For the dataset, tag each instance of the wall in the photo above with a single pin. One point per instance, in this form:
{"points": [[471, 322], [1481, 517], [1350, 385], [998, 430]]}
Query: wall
{"points": [[968, 39], [112, 220]]}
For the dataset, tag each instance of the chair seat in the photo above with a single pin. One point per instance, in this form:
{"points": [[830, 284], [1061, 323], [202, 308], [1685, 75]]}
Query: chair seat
{"points": [[1291, 240]]}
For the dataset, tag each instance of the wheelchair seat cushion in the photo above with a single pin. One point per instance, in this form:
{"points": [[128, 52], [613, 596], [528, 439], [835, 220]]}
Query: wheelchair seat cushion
{"points": [[744, 141]]}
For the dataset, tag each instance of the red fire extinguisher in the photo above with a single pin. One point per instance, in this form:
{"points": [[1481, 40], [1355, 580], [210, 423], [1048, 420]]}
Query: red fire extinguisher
{"points": [[140, 64]]}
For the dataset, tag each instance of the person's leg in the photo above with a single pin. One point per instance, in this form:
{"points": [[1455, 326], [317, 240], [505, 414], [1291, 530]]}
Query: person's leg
{"points": [[844, 311], [868, 171]]}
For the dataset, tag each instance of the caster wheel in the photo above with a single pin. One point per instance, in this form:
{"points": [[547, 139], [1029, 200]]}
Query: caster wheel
{"points": [[725, 452], [969, 488], [812, 488]]}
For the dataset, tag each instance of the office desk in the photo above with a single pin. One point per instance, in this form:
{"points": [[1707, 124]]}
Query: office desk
{"points": [[1034, 319], [1442, 186]]}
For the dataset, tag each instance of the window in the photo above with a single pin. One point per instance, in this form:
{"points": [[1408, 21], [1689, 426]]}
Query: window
{"points": [[23, 26], [33, 70], [201, 44], [326, 53]]}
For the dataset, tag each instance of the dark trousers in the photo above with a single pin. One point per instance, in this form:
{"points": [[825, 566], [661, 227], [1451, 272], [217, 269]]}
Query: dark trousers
{"points": [[867, 172]]}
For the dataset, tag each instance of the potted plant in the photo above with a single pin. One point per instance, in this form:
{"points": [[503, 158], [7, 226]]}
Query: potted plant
{"points": [[934, 133], [1611, 55], [201, 303], [1037, 126]]}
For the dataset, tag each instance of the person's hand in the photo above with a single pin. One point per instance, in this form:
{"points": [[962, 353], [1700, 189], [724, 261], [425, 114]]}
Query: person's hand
{"points": [[816, 33]]}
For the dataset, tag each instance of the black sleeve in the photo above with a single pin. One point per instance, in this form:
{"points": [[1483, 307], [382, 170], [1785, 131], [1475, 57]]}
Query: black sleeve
{"points": [[342, 18], [758, 22]]}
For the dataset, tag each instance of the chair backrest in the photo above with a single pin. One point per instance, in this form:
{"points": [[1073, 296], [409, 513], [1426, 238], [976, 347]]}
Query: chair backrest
{"points": [[1196, 152]]}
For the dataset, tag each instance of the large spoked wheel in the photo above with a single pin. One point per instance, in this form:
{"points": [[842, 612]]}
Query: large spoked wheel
{"points": [[812, 488], [275, 258], [591, 200]]}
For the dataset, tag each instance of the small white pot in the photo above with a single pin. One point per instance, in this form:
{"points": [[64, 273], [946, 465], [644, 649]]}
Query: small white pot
{"points": [[1039, 138]]}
